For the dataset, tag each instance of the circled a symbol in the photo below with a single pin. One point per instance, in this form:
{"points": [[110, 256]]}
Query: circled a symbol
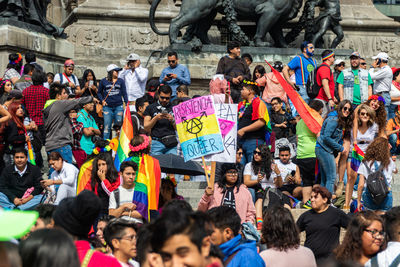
{"points": [[194, 126]]}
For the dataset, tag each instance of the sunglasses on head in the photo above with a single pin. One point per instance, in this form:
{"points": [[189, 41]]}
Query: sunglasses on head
{"points": [[171, 61]]}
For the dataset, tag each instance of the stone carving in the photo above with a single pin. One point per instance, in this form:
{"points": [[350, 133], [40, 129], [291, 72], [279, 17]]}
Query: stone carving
{"points": [[329, 18], [30, 12], [111, 36], [198, 15]]}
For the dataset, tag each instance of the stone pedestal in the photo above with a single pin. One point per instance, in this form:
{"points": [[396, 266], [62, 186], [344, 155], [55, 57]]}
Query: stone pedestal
{"points": [[51, 52]]}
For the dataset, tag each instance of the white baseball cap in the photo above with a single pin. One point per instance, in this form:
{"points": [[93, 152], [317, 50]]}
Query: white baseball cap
{"points": [[113, 67], [133, 57], [338, 61], [382, 55]]}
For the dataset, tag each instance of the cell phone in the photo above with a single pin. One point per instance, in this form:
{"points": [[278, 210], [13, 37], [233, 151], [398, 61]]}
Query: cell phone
{"points": [[90, 83], [169, 75], [164, 111]]}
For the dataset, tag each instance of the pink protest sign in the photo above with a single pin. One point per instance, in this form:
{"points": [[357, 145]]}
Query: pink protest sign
{"points": [[225, 126]]}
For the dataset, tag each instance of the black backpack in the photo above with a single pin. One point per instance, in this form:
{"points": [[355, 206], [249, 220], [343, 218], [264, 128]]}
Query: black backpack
{"points": [[376, 184], [312, 86]]}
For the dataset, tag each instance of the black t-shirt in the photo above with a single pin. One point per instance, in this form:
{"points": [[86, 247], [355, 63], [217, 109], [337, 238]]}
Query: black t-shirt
{"points": [[229, 198], [246, 120], [322, 230], [162, 127]]}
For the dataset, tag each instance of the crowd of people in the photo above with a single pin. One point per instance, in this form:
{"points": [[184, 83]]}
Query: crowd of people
{"points": [[89, 210]]}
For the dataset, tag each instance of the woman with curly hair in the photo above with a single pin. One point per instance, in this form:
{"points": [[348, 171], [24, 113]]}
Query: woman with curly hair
{"points": [[364, 238], [329, 142], [376, 157], [367, 131], [281, 235], [257, 177]]}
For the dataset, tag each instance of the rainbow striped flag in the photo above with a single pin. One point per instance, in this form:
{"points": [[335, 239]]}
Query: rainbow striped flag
{"points": [[84, 176], [125, 138], [147, 184], [357, 156], [31, 158], [312, 118]]}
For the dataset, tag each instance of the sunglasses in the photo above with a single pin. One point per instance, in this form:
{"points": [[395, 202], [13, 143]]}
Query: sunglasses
{"points": [[257, 153], [364, 114], [346, 109], [165, 97], [171, 61], [240, 153], [342, 65], [363, 64]]}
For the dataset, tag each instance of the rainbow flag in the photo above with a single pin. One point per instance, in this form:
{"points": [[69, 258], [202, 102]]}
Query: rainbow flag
{"points": [[31, 158], [312, 118], [357, 156], [125, 138], [84, 176], [147, 184]]}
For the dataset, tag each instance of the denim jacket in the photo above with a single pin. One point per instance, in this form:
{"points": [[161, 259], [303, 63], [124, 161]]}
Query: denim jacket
{"points": [[348, 84], [331, 134]]}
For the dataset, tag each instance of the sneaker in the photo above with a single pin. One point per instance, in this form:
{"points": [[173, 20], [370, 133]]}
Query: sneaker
{"points": [[339, 189], [307, 205]]}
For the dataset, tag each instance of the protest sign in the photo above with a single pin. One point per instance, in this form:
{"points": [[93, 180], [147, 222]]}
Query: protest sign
{"points": [[198, 128], [227, 118]]}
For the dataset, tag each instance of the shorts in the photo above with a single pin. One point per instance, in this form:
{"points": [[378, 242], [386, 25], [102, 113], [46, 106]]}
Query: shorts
{"points": [[307, 171], [288, 188]]}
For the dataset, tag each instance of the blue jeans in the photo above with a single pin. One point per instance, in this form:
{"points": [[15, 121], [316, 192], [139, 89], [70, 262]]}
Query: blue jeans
{"points": [[370, 204], [30, 205], [111, 114], [386, 96], [249, 145], [395, 150], [392, 111], [303, 93], [158, 148], [327, 167]]}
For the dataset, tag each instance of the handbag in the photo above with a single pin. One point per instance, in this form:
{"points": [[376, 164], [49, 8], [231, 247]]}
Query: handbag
{"points": [[99, 107], [169, 141]]}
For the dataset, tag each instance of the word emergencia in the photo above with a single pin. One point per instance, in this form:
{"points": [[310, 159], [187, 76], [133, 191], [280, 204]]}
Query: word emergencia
{"points": [[198, 129]]}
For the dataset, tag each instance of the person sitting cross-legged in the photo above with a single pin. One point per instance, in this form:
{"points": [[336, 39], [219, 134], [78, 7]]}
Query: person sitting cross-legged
{"points": [[20, 183]]}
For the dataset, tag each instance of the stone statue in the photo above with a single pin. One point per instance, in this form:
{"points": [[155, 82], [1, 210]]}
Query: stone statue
{"points": [[329, 18], [198, 15], [31, 12]]}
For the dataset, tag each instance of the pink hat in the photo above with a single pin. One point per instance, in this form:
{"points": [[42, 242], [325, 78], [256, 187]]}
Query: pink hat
{"points": [[69, 62]]}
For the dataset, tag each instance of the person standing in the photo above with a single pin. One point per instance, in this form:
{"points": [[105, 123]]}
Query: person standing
{"points": [[112, 95], [339, 66], [302, 66], [395, 92], [382, 76], [175, 74], [68, 78], [355, 83], [135, 77], [234, 68], [325, 79]]}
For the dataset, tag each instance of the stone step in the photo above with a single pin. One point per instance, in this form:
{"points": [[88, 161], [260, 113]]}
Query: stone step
{"points": [[192, 185]]}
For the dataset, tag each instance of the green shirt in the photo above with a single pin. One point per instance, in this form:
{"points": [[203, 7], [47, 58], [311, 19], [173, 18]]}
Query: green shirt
{"points": [[306, 141], [356, 88], [86, 141]]}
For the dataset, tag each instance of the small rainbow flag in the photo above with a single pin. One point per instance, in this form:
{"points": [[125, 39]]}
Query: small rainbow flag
{"points": [[147, 184], [357, 156], [31, 158], [125, 138], [84, 176]]}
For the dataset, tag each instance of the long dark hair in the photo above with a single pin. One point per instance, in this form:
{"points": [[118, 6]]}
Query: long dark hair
{"points": [[222, 182], [166, 183], [351, 247], [15, 62], [279, 230], [84, 77], [344, 122], [112, 173], [49, 248], [265, 164], [260, 69]]}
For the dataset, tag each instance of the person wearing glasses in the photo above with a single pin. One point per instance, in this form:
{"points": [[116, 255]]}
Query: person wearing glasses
{"points": [[175, 74], [68, 78], [339, 66], [121, 236], [364, 238], [354, 83], [159, 121], [376, 157], [363, 63], [229, 191]]}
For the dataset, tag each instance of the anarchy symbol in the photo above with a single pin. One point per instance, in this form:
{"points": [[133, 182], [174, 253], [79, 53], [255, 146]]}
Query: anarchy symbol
{"points": [[194, 126]]}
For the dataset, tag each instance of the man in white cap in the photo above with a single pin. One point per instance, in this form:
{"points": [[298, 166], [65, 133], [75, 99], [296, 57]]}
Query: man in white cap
{"points": [[382, 76], [354, 83], [135, 77]]}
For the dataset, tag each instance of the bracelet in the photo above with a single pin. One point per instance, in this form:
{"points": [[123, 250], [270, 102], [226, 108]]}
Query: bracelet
{"points": [[329, 99]]}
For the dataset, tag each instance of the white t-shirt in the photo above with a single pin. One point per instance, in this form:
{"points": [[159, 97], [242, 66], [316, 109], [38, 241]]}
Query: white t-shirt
{"points": [[386, 257], [125, 196], [364, 139], [73, 79], [394, 92], [285, 169], [387, 172], [248, 170]]}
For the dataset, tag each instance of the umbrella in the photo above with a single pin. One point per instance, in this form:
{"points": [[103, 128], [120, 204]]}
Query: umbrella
{"points": [[170, 163]]}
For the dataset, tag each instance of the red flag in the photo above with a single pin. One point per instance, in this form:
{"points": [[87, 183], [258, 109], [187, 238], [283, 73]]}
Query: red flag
{"points": [[312, 118]]}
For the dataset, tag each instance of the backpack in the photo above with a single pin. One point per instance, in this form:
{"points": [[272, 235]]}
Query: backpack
{"points": [[376, 184], [395, 262], [312, 86]]}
